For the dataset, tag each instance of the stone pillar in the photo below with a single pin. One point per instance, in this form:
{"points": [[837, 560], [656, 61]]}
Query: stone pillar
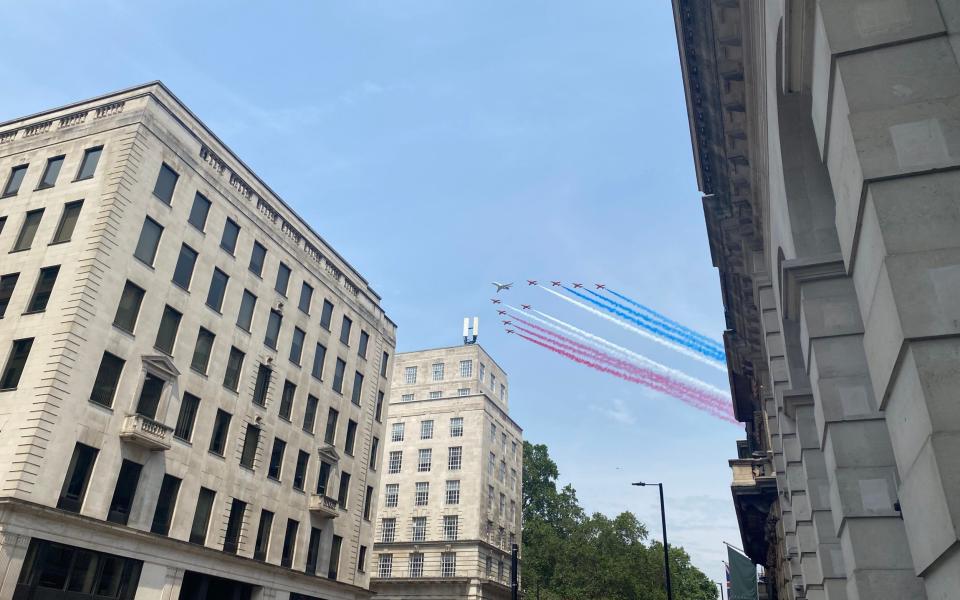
{"points": [[159, 582], [13, 551]]}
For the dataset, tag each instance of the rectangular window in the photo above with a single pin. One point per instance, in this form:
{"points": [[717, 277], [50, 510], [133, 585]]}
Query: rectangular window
{"points": [[16, 362], [166, 503], [218, 288], [454, 458], [199, 212], [335, 557], [257, 257], [388, 530], [231, 376], [493, 433], [306, 297], [385, 566], [409, 375], [129, 307], [251, 440], [275, 470], [166, 182], [395, 462], [466, 368], [463, 392], [296, 346], [348, 445], [426, 429], [167, 332], [416, 565], [43, 289], [323, 477], [483, 370], [502, 475], [490, 495], [491, 464], [378, 412], [421, 495], [435, 395], [14, 181], [310, 413], [150, 394], [28, 230], [50, 173], [150, 233], [78, 477], [397, 430], [234, 524], [362, 559], [88, 166], [245, 316], [503, 393], [424, 460], [286, 399], [345, 327], [503, 505], [338, 376], [289, 543], [124, 491], [183, 271], [406, 397], [274, 323], [367, 503], [231, 231], [187, 416], [456, 427], [453, 491], [357, 391], [451, 526], [262, 386], [344, 494], [202, 350], [331, 433], [362, 345], [448, 564], [108, 375], [221, 427], [262, 544], [68, 222], [7, 284], [319, 355], [300, 473], [374, 448], [283, 279], [313, 551], [326, 315], [384, 359], [201, 517], [437, 369], [391, 495]]}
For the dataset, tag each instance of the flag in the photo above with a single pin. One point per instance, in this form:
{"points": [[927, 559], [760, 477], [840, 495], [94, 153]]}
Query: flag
{"points": [[741, 576], [726, 569]]}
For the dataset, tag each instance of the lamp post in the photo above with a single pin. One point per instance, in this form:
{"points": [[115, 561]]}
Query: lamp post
{"points": [[666, 554]]}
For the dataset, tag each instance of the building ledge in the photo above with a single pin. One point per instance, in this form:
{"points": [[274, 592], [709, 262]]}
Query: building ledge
{"points": [[144, 431]]}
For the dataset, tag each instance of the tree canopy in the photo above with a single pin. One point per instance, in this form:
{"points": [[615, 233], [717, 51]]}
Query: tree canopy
{"points": [[570, 555]]}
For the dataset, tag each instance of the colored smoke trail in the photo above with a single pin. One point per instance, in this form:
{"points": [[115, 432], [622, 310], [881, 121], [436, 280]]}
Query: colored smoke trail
{"points": [[642, 332], [662, 318], [695, 346]]}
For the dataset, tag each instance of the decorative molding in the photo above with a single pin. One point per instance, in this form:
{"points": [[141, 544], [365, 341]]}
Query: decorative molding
{"points": [[70, 120], [796, 272]]}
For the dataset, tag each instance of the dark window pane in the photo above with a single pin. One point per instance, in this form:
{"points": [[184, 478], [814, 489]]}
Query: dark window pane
{"points": [[199, 212], [263, 535], [318, 357], [14, 181], [310, 413], [335, 555], [276, 458], [378, 414], [283, 279], [351, 437], [183, 272], [7, 284], [129, 307], [247, 304], [264, 373], [331, 432], [251, 440], [289, 543], [167, 333], [338, 376], [51, 173], [273, 329], [383, 364], [166, 181], [166, 502], [88, 166], [150, 233], [313, 551], [234, 523], [43, 289], [326, 315], [306, 296], [300, 474], [362, 559], [257, 256], [323, 477], [221, 427], [28, 230], [362, 345], [68, 222], [78, 476], [150, 396], [202, 351], [231, 231], [368, 502], [345, 330], [15, 363], [286, 399], [374, 449], [357, 388], [231, 376], [124, 492], [218, 287], [108, 376], [187, 417], [296, 345], [201, 518], [344, 493]]}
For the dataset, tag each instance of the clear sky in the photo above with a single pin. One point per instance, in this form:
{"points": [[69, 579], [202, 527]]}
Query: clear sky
{"points": [[438, 146]]}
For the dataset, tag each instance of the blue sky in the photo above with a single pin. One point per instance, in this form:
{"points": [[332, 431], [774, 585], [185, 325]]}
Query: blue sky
{"points": [[441, 145]]}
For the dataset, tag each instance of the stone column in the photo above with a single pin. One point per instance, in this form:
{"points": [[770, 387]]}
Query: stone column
{"points": [[13, 551]]}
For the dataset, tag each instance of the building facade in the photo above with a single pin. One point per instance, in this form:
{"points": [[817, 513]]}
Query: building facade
{"points": [[193, 380], [450, 507], [826, 138]]}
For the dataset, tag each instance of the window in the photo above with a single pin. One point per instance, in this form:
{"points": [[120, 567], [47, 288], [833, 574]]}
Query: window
{"points": [[300, 473], [124, 491], [450, 527], [463, 392], [426, 430], [513, 478], [306, 297], [493, 433], [183, 271], [419, 532], [218, 288], [424, 460], [491, 464], [221, 427], [15, 363], [409, 375], [448, 564], [50, 173], [189, 406], [319, 355], [344, 493], [396, 432], [374, 448], [201, 517], [262, 386], [28, 230], [453, 491], [276, 459], [437, 369], [167, 332], [201, 351], [493, 381], [331, 432], [149, 241], [456, 427], [7, 284], [257, 257], [345, 330], [166, 502], [500, 570], [78, 476], [357, 391], [503, 507], [150, 393], [68, 222], [434, 395], [129, 307], [234, 524], [502, 474], [454, 458], [513, 512], [296, 346], [262, 544], [406, 398], [368, 503], [166, 182], [483, 370], [289, 543], [489, 565], [385, 566], [503, 393], [326, 315], [323, 477], [14, 181], [395, 462], [283, 279], [378, 412], [310, 413], [273, 329], [251, 440], [231, 231], [335, 557], [416, 564], [503, 442], [490, 496], [348, 445], [466, 368], [362, 344], [338, 376], [514, 447], [391, 495], [421, 494], [313, 551], [108, 375], [43, 289], [231, 376], [199, 212], [286, 399], [384, 359], [245, 316], [362, 559]]}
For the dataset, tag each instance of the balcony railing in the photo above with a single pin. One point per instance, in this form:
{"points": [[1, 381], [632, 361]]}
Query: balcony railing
{"points": [[324, 506], [750, 471], [144, 431]]}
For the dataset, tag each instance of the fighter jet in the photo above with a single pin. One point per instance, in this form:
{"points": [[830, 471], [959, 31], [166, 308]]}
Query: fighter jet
{"points": [[531, 282], [501, 312], [494, 300], [600, 286], [501, 286], [525, 306], [577, 285], [509, 331], [556, 283], [508, 322]]}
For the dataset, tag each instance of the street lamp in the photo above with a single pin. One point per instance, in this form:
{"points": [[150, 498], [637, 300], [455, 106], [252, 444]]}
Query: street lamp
{"points": [[663, 519]]}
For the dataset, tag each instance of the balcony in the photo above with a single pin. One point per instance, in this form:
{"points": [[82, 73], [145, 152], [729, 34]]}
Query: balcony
{"points": [[144, 431], [324, 506], [754, 490]]}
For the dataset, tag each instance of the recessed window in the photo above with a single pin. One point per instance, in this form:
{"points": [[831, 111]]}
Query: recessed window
{"points": [[8, 283], [463, 391], [456, 427], [231, 376], [300, 472], [416, 565], [166, 503], [335, 554], [251, 440], [421, 496], [313, 551], [276, 459], [331, 432], [289, 543], [319, 355], [129, 307], [394, 462], [397, 432], [419, 533], [434, 395], [202, 350], [166, 182], [362, 559], [201, 517], [453, 493], [273, 329], [28, 230], [283, 279], [262, 544], [323, 477], [14, 180], [454, 458], [189, 406], [221, 427], [345, 330], [78, 477], [231, 231], [378, 412], [466, 368], [424, 460], [108, 376], [296, 345], [385, 566], [260, 389], [357, 391], [374, 449], [348, 445], [448, 564], [451, 524], [245, 316], [150, 393], [167, 333], [68, 222], [383, 364], [50, 173], [231, 539], [391, 495], [257, 257], [149, 241], [88, 166], [338, 376], [326, 315], [437, 369], [343, 495], [186, 261], [306, 297], [310, 413], [43, 289], [426, 429], [218, 288], [124, 491], [406, 397], [409, 375], [199, 212], [286, 399], [362, 344]]}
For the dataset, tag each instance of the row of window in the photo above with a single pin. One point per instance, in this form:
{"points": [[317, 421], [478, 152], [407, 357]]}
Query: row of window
{"points": [[438, 371], [448, 565], [421, 495], [434, 395], [425, 460], [51, 172], [491, 493], [397, 430], [31, 223], [450, 530]]}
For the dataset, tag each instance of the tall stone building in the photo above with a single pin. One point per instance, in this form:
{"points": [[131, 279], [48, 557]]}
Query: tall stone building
{"points": [[192, 380], [451, 488], [826, 137]]}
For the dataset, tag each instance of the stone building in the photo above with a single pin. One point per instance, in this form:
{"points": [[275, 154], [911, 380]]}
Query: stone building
{"points": [[192, 380], [452, 476], [826, 136]]}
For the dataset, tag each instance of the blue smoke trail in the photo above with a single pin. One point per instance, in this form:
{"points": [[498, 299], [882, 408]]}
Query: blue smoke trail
{"points": [[667, 321]]}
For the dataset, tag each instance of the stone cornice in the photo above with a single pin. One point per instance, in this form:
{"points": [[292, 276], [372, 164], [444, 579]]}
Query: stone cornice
{"points": [[796, 272]]}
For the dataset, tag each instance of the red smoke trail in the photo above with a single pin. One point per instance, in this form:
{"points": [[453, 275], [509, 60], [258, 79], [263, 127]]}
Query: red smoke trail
{"points": [[654, 384]]}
